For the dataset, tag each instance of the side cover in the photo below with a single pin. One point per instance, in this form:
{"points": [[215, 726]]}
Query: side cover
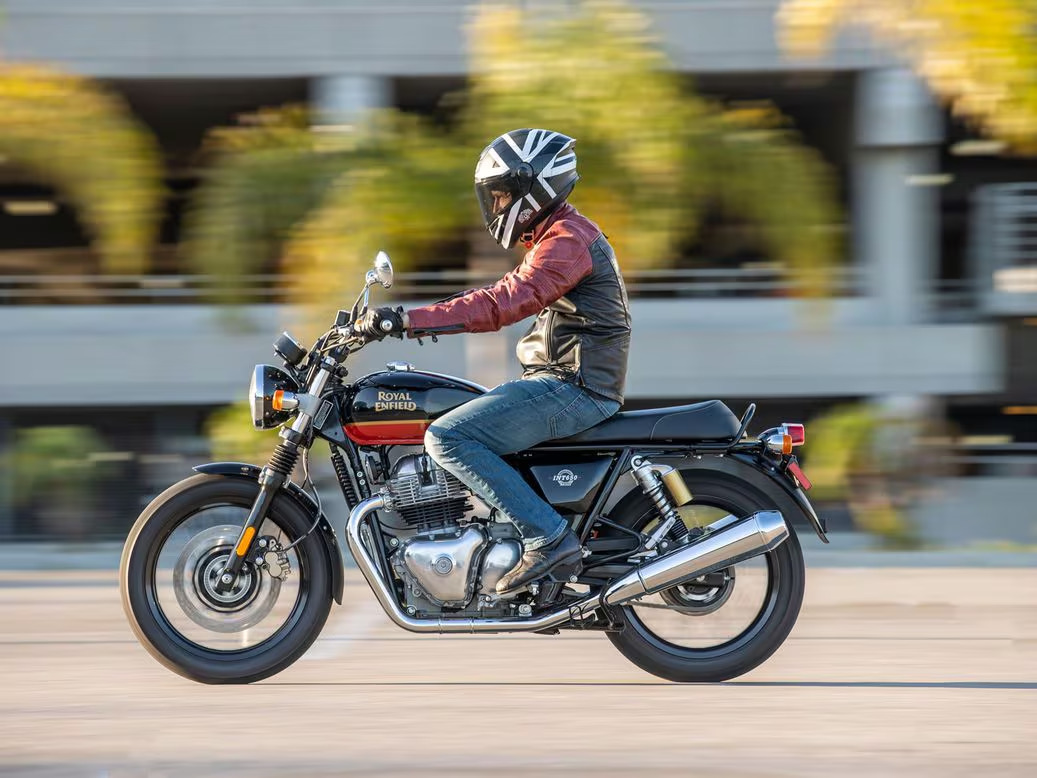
{"points": [[570, 487]]}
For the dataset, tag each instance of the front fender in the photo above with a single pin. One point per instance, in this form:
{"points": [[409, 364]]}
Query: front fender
{"points": [[296, 492]]}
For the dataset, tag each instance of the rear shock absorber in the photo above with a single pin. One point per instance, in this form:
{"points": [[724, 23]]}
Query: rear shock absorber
{"points": [[666, 488]]}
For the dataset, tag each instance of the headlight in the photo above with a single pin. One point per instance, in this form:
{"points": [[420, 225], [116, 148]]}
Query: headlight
{"points": [[267, 379]]}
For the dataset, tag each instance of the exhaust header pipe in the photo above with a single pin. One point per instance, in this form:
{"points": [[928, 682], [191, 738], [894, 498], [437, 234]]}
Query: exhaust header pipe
{"points": [[576, 611], [734, 543]]}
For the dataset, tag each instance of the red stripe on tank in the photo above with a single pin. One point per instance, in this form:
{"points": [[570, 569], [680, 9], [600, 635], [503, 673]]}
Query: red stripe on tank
{"points": [[387, 433]]}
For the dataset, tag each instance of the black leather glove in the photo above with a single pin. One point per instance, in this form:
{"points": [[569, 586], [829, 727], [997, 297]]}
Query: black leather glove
{"points": [[380, 322]]}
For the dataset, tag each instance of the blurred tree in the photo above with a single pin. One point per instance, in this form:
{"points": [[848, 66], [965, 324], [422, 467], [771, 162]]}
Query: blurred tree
{"points": [[979, 56], [262, 177], [232, 437], [881, 464], [405, 192], [652, 155], [56, 473], [84, 141]]}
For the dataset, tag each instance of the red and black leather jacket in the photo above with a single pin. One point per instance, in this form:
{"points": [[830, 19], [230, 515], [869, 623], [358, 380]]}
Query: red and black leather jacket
{"points": [[571, 280]]}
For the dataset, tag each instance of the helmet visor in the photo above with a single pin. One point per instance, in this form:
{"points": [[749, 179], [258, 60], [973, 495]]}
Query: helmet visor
{"points": [[497, 195]]}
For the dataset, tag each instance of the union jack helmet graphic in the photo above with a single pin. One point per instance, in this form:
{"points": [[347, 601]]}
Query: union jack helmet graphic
{"points": [[520, 178]]}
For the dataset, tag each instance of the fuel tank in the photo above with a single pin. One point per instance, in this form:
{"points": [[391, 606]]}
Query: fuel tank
{"points": [[395, 407]]}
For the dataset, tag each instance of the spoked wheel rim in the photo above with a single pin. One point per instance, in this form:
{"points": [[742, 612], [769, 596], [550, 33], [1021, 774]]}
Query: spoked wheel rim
{"points": [[713, 616], [183, 568]]}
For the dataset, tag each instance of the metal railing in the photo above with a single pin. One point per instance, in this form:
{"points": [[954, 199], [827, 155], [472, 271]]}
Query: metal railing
{"points": [[994, 459], [172, 289]]}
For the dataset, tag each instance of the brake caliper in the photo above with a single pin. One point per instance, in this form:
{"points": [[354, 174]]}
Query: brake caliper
{"points": [[272, 558]]}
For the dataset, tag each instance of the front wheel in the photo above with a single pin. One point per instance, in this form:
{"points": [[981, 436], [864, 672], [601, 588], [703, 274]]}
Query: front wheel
{"points": [[721, 625], [172, 561]]}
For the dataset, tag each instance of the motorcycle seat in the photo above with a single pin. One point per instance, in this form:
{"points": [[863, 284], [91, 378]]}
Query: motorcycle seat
{"points": [[710, 420]]}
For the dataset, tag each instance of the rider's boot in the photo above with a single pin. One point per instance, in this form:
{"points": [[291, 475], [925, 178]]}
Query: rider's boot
{"points": [[538, 562]]}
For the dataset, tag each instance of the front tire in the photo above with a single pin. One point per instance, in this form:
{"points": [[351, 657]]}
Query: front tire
{"points": [[760, 638], [145, 571]]}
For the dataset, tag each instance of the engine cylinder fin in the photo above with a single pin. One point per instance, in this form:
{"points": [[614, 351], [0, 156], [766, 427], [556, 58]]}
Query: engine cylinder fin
{"points": [[425, 495], [437, 513]]}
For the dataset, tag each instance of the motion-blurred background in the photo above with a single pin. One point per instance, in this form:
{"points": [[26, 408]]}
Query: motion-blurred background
{"points": [[822, 206]]}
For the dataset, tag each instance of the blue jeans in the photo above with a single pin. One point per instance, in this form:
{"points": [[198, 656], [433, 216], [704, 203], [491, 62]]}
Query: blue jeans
{"points": [[469, 441]]}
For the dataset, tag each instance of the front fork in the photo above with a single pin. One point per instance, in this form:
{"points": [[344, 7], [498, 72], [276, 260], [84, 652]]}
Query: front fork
{"points": [[272, 479]]}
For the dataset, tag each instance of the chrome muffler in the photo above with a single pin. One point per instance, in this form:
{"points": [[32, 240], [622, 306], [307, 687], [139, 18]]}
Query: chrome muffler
{"points": [[724, 546]]}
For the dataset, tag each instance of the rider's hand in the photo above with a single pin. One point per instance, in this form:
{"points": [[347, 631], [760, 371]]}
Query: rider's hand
{"points": [[380, 322]]}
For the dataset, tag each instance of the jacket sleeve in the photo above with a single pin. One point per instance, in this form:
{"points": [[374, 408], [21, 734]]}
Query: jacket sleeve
{"points": [[547, 272]]}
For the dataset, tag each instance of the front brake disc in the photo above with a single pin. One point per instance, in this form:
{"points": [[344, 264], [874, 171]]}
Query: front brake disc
{"points": [[198, 569]]}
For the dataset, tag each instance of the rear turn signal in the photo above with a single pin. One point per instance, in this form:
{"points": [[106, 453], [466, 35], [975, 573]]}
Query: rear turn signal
{"points": [[784, 438]]}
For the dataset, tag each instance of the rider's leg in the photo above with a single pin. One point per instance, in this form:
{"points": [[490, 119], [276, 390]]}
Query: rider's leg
{"points": [[469, 440]]}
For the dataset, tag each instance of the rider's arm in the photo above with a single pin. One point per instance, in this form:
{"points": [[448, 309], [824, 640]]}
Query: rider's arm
{"points": [[548, 271]]}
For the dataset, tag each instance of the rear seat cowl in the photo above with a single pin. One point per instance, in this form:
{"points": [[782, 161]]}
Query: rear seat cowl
{"points": [[720, 424]]}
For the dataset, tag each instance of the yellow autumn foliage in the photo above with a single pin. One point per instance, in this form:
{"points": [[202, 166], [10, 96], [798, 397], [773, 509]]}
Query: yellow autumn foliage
{"points": [[83, 140], [980, 57]]}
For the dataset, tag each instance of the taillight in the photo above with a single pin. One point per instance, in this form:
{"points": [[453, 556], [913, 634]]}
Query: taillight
{"points": [[798, 433]]}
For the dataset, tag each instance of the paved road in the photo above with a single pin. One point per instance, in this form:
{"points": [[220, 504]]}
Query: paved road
{"points": [[909, 671]]}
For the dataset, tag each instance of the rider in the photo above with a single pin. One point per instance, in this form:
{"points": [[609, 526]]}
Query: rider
{"points": [[574, 357]]}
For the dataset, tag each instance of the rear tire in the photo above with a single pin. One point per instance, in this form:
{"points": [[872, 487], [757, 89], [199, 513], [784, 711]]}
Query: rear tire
{"points": [[138, 574], [761, 639]]}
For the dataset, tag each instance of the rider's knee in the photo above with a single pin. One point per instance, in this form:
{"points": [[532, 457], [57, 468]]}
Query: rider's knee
{"points": [[436, 440]]}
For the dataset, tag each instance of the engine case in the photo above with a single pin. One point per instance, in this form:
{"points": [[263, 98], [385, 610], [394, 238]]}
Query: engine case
{"points": [[448, 571]]}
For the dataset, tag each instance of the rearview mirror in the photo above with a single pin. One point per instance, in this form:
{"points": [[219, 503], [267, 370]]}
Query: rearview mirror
{"points": [[383, 269]]}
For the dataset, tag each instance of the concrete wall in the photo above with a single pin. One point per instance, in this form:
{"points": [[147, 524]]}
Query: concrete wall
{"points": [[961, 511], [240, 38], [146, 355]]}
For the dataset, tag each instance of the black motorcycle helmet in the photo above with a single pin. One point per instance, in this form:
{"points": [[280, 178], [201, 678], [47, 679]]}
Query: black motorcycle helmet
{"points": [[520, 178]]}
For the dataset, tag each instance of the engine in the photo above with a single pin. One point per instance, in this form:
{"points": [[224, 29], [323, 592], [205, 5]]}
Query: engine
{"points": [[425, 495], [443, 557]]}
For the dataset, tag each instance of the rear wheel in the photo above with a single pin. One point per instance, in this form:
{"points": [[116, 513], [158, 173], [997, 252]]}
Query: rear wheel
{"points": [[172, 561], [723, 624]]}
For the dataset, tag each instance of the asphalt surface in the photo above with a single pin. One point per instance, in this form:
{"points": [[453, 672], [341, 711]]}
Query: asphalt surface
{"points": [[889, 671]]}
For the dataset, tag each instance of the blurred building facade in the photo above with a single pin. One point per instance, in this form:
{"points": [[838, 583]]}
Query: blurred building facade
{"points": [[936, 302]]}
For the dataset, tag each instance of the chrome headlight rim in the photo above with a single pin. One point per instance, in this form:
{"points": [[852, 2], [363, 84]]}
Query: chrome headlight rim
{"points": [[267, 379]]}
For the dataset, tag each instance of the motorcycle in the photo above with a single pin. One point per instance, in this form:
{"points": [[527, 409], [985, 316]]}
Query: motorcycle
{"points": [[690, 566]]}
